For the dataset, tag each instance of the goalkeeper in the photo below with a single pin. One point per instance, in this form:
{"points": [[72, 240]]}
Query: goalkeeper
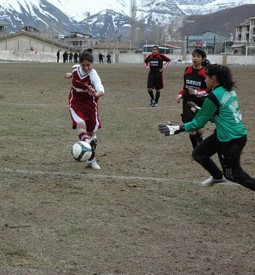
{"points": [[230, 136]]}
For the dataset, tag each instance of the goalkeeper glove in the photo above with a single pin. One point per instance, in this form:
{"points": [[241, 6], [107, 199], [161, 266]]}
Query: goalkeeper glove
{"points": [[193, 106], [169, 130]]}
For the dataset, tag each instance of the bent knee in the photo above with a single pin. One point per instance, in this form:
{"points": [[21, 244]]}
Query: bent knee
{"points": [[195, 155], [81, 125], [198, 158]]}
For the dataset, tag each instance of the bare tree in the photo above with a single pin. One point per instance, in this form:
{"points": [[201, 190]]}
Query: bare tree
{"points": [[140, 37], [156, 32], [133, 11]]}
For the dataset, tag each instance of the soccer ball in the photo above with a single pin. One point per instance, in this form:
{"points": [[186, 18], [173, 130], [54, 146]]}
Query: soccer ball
{"points": [[81, 151]]}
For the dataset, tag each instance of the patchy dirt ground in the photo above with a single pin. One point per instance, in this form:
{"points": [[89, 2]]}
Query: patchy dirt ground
{"points": [[144, 212]]}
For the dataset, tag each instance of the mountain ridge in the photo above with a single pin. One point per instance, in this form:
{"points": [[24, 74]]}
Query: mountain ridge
{"points": [[169, 15], [221, 22]]}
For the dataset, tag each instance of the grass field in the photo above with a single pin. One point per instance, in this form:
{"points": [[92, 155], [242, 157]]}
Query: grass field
{"points": [[144, 211]]}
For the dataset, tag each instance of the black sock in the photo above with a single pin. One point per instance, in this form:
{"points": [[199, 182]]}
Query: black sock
{"points": [[157, 97], [93, 145], [151, 94], [193, 139]]}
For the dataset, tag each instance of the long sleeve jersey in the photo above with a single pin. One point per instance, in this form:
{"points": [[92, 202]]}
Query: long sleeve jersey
{"points": [[156, 63], [226, 116], [194, 79]]}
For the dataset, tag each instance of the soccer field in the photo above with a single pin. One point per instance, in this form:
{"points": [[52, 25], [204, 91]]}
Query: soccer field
{"points": [[144, 212]]}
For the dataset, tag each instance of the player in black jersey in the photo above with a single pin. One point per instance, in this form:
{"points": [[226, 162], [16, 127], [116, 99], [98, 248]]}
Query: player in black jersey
{"points": [[194, 90], [155, 62]]}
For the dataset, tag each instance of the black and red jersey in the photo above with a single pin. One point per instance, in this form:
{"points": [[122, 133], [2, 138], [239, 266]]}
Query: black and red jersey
{"points": [[156, 62], [195, 79]]}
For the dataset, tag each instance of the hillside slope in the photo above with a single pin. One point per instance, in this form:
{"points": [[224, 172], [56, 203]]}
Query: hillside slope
{"points": [[222, 22]]}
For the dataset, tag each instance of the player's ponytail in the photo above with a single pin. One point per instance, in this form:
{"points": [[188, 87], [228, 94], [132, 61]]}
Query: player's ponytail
{"points": [[205, 62], [223, 75]]}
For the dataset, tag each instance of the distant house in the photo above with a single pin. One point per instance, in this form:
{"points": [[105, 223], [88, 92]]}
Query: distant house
{"points": [[29, 41], [245, 32], [79, 41], [244, 36]]}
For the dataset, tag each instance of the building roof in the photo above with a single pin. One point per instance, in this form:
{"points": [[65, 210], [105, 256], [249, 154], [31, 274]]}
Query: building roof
{"points": [[237, 45], [38, 37], [79, 34]]}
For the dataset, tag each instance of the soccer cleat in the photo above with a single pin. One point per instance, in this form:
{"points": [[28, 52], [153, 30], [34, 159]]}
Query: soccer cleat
{"points": [[211, 181], [93, 164], [155, 104], [152, 102]]}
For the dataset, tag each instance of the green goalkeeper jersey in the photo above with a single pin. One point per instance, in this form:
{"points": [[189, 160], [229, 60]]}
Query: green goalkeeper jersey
{"points": [[222, 108]]}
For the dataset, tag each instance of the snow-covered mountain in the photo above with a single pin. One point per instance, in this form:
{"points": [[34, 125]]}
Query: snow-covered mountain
{"points": [[102, 18], [80, 9], [164, 11], [77, 10]]}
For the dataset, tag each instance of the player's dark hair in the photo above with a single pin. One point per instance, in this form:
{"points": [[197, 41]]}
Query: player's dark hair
{"points": [[155, 47], [205, 61], [85, 55], [200, 52], [223, 75]]}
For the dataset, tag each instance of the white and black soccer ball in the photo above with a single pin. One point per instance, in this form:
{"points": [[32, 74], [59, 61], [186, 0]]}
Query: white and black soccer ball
{"points": [[81, 151]]}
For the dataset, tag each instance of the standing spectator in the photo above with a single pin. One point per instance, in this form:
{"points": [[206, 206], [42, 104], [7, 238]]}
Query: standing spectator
{"points": [[70, 57], [101, 58], [58, 55], [155, 62], [83, 101], [194, 90], [75, 57], [65, 57], [109, 61], [221, 107]]}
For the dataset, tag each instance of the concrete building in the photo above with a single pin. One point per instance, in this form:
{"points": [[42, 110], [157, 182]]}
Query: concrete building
{"points": [[79, 41], [245, 32], [210, 42], [30, 39], [24, 41], [245, 37]]}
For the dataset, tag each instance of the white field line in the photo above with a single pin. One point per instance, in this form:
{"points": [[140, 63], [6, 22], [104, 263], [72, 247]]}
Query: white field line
{"points": [[99, 176]]}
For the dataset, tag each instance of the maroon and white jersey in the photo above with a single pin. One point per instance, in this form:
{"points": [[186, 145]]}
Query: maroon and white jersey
{"points": [[82, 105]]}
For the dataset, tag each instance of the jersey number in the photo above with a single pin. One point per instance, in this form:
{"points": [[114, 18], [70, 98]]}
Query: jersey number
{"points": [[235, 109]]}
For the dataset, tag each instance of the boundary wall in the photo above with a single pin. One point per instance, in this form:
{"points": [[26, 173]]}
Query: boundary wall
{"points": [[125, 58]]}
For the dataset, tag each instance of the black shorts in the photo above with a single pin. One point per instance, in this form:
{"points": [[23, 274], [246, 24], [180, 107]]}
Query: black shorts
{"points": [[155, 81], [187, 114]]}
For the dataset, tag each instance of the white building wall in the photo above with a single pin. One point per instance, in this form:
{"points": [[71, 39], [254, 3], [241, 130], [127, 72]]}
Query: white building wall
{"points": [[26, 43], [125, 58], [221, 59]]}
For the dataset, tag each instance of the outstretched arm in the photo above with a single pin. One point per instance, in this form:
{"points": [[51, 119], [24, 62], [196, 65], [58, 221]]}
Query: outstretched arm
{"points": [[169, 130]]}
